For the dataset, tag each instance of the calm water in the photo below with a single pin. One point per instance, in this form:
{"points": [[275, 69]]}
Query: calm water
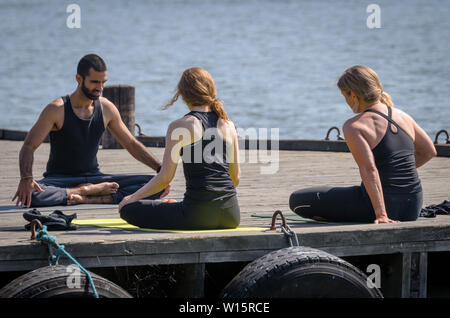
{"points": [[275, 63]]}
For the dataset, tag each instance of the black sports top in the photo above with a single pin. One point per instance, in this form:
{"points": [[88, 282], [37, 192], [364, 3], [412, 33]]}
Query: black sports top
{"points": [[395, 161], [73, 148], [205, 163]]}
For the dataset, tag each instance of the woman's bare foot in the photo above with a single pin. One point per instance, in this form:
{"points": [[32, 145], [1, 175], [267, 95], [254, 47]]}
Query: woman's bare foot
{"points": [[89, 189], [169, 201], [73, 199]]}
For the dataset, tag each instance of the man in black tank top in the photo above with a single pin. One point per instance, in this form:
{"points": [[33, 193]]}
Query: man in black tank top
{"points": [[75, 124]]}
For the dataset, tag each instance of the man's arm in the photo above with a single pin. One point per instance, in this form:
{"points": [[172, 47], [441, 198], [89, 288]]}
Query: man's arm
{"points": [[126, 139], [34, 138]]}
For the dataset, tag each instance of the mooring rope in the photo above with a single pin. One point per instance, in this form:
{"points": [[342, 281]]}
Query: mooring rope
{"points": [[43, 236]]}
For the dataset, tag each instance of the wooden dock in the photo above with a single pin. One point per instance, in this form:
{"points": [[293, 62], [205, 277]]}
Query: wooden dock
{"points": [[258, 194]]}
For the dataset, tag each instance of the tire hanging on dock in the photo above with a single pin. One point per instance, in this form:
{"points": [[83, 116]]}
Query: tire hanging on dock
{"points": [[300, 272], [60, 281]]}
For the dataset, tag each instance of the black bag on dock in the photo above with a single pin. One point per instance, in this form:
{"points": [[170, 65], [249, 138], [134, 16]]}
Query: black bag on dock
{"points": [[432, 210], [55, 221]]}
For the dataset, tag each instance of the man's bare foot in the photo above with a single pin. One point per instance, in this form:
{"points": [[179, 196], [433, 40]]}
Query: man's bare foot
{"points": [[73, 199], [89, 189]]}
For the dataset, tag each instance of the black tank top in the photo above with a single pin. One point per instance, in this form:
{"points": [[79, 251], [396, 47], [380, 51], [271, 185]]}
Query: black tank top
{"points": [[395, 161], [73, 148], [205, 163]]}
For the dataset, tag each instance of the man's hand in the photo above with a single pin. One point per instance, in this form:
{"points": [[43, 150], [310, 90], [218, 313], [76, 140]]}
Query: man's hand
{"points": [[24, 191]]}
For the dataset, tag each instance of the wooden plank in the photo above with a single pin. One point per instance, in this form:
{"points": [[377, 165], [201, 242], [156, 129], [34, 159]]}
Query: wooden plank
{"points": [[414, 275], [443, 150], [192, 284], [94, 251], [406, 275], [423, 265]]}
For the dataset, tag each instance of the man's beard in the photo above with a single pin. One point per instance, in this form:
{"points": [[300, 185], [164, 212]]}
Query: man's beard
{"points": [[87, 92]]}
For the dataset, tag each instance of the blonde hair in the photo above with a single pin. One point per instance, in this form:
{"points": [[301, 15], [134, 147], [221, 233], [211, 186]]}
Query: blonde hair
{"points": [[364, 82], [197, 88]]}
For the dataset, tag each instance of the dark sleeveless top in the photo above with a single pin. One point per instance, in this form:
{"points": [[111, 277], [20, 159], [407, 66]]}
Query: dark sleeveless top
{"points": [[205, 163], [73, 148], [395, 161]]}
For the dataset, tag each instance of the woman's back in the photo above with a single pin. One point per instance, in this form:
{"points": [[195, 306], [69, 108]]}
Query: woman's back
{"points": [[393, 150], [206, 161]]}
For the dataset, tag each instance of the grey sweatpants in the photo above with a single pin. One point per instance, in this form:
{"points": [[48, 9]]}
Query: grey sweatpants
{"points": [[55, 187]]}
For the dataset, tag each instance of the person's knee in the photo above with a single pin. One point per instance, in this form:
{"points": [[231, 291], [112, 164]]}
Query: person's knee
{"points": [[39, 199], [125, 212], [295, 199], [299, 204]]}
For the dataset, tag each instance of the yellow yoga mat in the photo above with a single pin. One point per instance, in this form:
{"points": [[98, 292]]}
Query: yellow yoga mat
{"points": [[118, 223]]}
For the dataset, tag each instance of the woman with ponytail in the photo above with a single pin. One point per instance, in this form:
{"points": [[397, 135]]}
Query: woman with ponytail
{"points": [[206, 141], [387, 145]]}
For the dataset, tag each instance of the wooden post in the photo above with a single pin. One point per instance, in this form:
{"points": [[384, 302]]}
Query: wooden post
{"points": [[123, 97], [192, 284], [419, 268], [414, 275]]}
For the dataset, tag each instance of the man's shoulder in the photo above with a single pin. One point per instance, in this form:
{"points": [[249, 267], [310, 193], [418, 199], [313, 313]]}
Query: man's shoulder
{"points": [[56, 103], [54, 107], [106, 102], [108, 107]]}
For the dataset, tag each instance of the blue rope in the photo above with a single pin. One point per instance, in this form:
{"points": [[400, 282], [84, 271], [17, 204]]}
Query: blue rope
{"points": [[51, 240]]}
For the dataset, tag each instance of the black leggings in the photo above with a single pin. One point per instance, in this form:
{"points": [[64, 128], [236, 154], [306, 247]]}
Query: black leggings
{"points": [[185, 215], [352, 204]]}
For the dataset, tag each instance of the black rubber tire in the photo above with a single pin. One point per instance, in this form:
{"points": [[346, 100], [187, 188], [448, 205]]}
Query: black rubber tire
{"points": [[300, 272], [51, 282]]}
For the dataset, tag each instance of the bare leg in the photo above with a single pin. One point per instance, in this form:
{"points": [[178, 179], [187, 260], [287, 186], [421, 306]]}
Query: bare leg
{"points": [[73, 199], [89, 189]]}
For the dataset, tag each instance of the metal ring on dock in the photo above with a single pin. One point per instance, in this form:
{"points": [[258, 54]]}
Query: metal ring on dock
{"points": [[140, 134], [447, 141], [339, 137], [274, 218], [35, 223]]}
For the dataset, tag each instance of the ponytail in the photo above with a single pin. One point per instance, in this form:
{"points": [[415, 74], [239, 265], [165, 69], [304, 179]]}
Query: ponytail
{"points": [[217, 106], [385, 98]]}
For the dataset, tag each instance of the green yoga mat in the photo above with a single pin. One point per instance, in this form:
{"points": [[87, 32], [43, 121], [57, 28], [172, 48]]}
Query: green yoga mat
{"points": [[119, 223]]}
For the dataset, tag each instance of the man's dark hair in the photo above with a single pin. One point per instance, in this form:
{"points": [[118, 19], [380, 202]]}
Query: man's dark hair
{"points": [[90, 61]]}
